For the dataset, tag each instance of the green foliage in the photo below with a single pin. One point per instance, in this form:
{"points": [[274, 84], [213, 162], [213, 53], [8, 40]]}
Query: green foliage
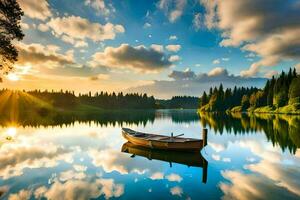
{"points": [[67, 100], [245, 103], [236, 109], [180, 102], [204, 99], [292, 109], [264, 109], [294, 91], [118, 101], [10, 18], [278, 93], [220, 100], [281, 130]]}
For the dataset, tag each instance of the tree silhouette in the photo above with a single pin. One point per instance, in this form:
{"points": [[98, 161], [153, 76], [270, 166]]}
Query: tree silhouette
{"points": [[10, 29], [278, 92]]}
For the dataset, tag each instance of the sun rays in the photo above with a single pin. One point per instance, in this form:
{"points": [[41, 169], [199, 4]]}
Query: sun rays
{"points": [[14, 102]]}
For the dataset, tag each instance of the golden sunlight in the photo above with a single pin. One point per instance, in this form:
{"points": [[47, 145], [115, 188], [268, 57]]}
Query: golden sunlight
{"points": [[13, 77], [11, 131]]}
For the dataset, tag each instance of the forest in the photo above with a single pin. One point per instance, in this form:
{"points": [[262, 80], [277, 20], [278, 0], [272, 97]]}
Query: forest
{"points": [[67, 100], [183, 102], [281, 94]]}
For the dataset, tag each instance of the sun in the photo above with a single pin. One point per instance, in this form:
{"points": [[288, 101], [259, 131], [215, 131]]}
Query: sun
{"points": [[11, 131], [13, 77]]}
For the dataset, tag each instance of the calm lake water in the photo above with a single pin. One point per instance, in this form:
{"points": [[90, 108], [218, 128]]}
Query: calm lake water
{"points": [[247, 157]]}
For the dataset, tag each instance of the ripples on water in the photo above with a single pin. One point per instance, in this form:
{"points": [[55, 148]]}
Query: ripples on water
{"points": [[247, 157]]}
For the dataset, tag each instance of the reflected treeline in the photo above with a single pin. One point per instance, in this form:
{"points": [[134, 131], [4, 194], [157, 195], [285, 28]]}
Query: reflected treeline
{"points": [[282, 130], [179, 116], [103, 118]]}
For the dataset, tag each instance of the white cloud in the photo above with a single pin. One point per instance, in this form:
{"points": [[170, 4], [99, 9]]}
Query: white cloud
{"points": [[217, 61], [188, 82], [24, 26], [283, 175], [75, 43], [253, 186], [112, 160], [271, 73], [250, 55], [14, 159], [70, 174], [173, 37], [21, 195], [216, 157], [174, 178], [217, 72], [147, 25], [173, 8], [187, 74], [99, 6], [67, 39], [37, 9], [138, 58], [36, 55], [80, 44], [270, 30], [176, 191], [216, 146], [297, 67], [157, 47], [81, 28], [43, 27], [226, 159], [197, 21], [157, 176], [81, 189], [173, 47], [174, 58], [210, 15], [250, 159], [81, 168]]}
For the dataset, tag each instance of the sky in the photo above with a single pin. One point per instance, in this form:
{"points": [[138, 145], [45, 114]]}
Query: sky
{"points": [[164, 47]]}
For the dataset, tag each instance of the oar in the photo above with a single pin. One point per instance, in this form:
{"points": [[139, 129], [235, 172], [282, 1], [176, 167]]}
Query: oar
{"points": [[178, 135], [168, 137]]}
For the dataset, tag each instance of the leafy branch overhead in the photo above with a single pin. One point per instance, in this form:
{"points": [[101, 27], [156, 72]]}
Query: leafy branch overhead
{"points": [[10, 30]]}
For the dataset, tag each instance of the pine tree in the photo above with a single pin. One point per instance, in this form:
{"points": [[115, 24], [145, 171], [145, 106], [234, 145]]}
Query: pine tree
{"points": [[245, 102], [295, 73], [204, 99]]}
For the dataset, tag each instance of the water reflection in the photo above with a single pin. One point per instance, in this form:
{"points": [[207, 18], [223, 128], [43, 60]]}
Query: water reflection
{"points": [[249, 156], [282, 130], [109, 117], [192, 159]]}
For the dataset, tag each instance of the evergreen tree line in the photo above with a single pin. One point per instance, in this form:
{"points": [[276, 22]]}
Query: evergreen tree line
{"points": [[182, 102], [105, 100], [113, 100], [278, 92]]}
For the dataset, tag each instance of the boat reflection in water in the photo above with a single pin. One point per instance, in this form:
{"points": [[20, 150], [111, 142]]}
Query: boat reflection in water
{"points": [[191, 159]]}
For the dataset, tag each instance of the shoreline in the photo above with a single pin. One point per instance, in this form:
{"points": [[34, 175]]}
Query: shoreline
{"points": [[286, 110]]}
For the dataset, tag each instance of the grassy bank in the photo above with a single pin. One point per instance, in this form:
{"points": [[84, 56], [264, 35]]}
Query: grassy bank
{"points": [[288, 109]]}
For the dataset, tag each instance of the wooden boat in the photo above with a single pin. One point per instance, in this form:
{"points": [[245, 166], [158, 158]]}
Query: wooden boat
{"points": [[191, 159], [154, 141]]}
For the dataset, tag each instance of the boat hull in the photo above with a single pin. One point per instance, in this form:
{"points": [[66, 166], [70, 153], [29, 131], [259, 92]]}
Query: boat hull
{"points": [[192, 145]]}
